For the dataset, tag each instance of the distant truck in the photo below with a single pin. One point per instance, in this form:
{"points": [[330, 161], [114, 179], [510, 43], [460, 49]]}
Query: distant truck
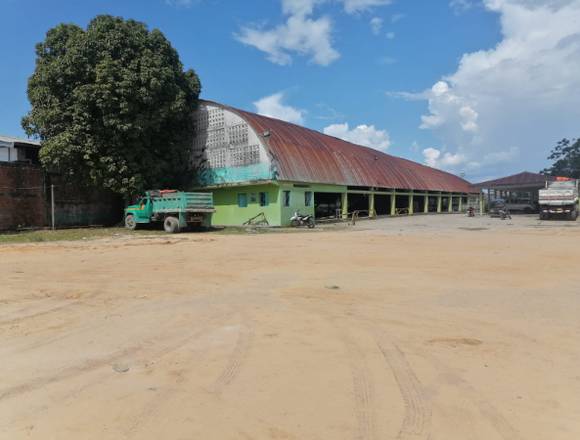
{"points": [[559, 199], [175, 209]]}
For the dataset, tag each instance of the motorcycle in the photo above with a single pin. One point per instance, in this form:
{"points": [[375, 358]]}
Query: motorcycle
{"points": [[302, 220], [504, 213], [471, 211]]}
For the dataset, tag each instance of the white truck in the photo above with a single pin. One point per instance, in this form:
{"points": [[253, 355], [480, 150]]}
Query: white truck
{"points": [[559, 199]]}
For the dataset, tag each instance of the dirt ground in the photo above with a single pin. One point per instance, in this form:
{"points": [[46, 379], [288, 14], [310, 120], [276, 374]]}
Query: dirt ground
{"points": [[434, 327]]}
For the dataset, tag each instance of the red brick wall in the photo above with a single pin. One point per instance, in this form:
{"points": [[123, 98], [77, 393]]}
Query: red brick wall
{"points": [[22, 196]]}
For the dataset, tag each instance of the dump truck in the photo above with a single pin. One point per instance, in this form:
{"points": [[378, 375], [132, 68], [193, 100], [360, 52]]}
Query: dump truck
{"points": [[176, 210], [559, 199]]}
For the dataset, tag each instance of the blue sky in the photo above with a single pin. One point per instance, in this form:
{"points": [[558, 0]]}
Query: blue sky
{"points": [[452, 83]]}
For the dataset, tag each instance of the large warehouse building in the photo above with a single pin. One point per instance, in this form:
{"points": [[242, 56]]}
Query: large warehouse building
{"points": [[260, 168]]}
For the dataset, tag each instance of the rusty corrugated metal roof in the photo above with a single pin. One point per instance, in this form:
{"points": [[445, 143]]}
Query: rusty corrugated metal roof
{"points": [[523, 179], [305, 155]]}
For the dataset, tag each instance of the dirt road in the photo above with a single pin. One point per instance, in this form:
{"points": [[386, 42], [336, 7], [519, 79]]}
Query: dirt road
{"points": [[432, 328]]}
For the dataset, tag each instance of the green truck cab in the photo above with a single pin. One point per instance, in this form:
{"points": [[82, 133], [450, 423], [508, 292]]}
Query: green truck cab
{"points": [[175, 209]]}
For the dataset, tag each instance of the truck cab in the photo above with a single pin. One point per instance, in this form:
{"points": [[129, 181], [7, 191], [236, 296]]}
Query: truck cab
{"points": [[140, 212]]}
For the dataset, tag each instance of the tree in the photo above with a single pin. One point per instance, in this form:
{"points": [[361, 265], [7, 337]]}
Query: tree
{"points": [[112, 106], [566, 157]]}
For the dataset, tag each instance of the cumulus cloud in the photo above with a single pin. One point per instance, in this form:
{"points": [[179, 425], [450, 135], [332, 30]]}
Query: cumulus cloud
{"points": [[302, 33], [274, 107], [438, 159], [366, 135], [299, 34], [376, 25], [503, 109]]}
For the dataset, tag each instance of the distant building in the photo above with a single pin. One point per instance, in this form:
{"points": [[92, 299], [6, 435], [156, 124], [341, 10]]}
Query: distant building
{"points": [[18, 150], [263, 168], [519, 191]]}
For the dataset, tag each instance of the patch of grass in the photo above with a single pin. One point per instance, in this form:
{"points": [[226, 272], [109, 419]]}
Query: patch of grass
{"points": [[70, 235]]}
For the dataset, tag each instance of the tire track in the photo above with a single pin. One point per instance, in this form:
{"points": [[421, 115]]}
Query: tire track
{"points": [[94, 364], [151, 408], [236, 359], [496, 419], [417, 421], [362, 386], [58, 308]]}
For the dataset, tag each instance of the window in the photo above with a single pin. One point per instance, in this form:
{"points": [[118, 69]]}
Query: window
{"points": [[286, 198], [308, 198], [263, 199], [242, 200]]}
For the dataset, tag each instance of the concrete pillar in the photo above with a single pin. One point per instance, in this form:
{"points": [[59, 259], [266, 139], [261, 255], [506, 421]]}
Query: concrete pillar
{"points": [[426, 204], [439, 203], [481, 203], [372, 205], [411, 204], [344, 205], [450, 203], [393, 203], [461, 203]]}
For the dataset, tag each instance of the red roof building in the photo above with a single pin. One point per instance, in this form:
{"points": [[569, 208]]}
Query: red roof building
{"points": [[236, 151]]}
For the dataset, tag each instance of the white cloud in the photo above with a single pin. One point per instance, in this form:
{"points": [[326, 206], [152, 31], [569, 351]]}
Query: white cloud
{"points": [[397, 17], [366, 135], [503, 109], [376, 25], [390, 35], [437, 159], [460, 6], [301, 33], [274, 107], [354, 6]]}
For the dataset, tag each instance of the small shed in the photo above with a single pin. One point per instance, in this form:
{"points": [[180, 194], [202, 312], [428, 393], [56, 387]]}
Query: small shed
{"points": [[520, 191]]}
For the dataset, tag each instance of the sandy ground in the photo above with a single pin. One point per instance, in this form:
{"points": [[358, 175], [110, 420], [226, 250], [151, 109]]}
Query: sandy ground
{"points": [[432, 328]]}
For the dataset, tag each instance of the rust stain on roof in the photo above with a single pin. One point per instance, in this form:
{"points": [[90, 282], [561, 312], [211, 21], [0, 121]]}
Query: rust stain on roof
{"points": [[306, 155]]}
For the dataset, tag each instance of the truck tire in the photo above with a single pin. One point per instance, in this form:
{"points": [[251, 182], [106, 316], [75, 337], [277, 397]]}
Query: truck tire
{"points": [[130, 222], [171, 225]]}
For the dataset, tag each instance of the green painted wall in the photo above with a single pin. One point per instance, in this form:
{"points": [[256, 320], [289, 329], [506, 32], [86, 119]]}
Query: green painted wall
{"points": [[228, 213], [298, 198]]}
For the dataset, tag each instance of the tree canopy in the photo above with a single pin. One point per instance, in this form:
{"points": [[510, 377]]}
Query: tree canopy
{"points": [[112, 106], [566, 158]]}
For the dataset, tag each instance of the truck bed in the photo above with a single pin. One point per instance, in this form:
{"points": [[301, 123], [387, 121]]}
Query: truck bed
{"points": [[183, 202]]}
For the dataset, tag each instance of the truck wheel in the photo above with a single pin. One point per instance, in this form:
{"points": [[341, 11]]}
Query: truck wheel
{"points": [[171, 225], [130, 222]]}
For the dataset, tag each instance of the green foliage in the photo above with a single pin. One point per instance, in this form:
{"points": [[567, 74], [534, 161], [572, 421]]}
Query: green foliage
{"points": [[566, 157], [113, 106]]}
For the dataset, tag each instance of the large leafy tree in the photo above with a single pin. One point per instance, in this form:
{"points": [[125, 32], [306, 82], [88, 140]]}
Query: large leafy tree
{"points": [[112, 106], [566, 158]]}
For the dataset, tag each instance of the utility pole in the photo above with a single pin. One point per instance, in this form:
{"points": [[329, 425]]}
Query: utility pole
{"points": [[52, 205]]}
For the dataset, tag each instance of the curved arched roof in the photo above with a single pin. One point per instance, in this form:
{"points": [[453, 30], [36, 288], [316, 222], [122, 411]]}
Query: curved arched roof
{"points": [[305, 155]]}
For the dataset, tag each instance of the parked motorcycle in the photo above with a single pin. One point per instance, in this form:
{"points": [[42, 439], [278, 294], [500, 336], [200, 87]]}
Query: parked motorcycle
{"points": [[471, 211], [504, 213], [302, 220]]}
